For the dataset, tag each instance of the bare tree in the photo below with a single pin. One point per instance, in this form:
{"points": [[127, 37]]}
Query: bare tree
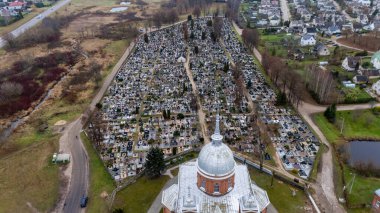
{"points": [[250, 37], [197, 11]]}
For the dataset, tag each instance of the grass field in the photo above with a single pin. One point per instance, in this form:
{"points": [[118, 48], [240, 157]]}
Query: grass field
{"points": [[280, 194], [28, 176], [362, 124], [100, 180], [356, 95], [357, 125], [140, 195]]}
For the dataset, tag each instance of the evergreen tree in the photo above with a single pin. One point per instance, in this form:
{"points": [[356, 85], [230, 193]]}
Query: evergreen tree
{"points": [[192, 35], [118, 210], [330, 113], [226, 67], [249, 84], [164, 114], [146, 39], [203, 35], [281, 99], [154, 164], [189, 18], [196, 49], [168, 113]]}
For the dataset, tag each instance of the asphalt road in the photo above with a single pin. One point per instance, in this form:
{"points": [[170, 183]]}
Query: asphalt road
{"points": [[21, 29], [285, 10], [79, 180], [80, 169]]}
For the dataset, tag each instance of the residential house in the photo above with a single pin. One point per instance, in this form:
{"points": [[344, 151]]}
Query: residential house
{"points": [[296, 26], [322, 50], [376, 87], [297, 54], [17, 5], [360, 79], [351, 63], [307, 40], [310, 30], [363, 19], [274, 21], [333, 30]]}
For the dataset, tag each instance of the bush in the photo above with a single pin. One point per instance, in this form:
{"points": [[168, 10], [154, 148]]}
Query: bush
{"points": [[362, 53]]}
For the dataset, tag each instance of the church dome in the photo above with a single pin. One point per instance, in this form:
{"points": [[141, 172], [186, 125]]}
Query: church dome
{"points": [[216, 158]]}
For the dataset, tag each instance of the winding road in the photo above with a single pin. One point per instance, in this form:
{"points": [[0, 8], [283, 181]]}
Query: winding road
{"points": [[70, 143], [32, 22]]}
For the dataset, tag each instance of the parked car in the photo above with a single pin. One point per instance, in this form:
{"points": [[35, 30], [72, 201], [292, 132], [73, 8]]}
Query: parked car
{"points": [[83, 201]]}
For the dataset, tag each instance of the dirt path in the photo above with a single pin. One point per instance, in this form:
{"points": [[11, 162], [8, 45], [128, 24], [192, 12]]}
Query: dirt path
{"points": [[335, 40], [201, 114]]}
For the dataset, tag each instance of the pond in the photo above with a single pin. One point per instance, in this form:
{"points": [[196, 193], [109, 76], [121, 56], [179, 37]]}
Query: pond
{"points": [[118, 9], [364, 152]]}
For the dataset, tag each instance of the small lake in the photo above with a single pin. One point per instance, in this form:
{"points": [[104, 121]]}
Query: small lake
{"points": [[364, 152], [118, 9]]}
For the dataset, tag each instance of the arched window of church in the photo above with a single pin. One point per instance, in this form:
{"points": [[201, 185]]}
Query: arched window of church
{"points": [[203, 184], [216, 187]]}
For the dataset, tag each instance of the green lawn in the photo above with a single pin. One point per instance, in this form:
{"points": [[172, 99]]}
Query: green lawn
{"points": [[280, 194], [140, 195], [357, 124], [356, 95], [360, 124], [100, 180]]}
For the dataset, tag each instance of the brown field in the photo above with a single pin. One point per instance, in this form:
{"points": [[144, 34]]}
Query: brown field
{"points": [[369, 42]]}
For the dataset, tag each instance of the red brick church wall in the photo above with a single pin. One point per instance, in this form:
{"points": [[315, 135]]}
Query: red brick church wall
{"points": [[209, 188]]}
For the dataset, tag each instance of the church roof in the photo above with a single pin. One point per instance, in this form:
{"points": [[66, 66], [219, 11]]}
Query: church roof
{"points": [[231, 202], [216, 158]]}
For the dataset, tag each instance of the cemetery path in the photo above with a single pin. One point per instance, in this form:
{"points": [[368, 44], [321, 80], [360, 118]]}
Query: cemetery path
{"points": [[201, 114]]}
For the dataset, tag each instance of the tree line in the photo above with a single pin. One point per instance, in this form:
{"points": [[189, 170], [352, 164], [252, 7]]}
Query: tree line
{"points": [[288, 82]]}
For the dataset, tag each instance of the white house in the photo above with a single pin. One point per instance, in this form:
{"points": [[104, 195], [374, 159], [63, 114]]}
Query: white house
{"points": [[322, 49], [17, 5], [333, 30], [307, 40], [350, 63], [376, 87], [363, 19], [274, 21], [375, 60]]}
